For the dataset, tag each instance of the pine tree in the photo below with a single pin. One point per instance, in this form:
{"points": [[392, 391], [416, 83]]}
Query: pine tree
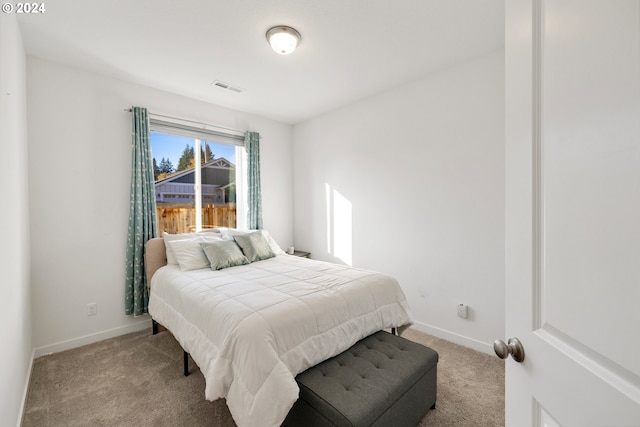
{"points": [[206, 154], [166, 166], [156, 170], [187, 159]]}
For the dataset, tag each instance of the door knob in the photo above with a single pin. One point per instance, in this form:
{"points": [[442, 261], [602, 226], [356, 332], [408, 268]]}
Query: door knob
{"points": [[513, 348]]}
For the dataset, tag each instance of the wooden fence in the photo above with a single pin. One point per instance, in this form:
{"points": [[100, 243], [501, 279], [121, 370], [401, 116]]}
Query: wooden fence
{"points": [[178, 218]]}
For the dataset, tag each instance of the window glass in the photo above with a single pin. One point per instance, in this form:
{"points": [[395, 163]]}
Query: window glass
{"points": [[180, 163]]}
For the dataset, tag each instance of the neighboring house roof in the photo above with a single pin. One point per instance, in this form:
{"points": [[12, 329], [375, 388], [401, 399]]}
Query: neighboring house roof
{"points": [[215, 171]]}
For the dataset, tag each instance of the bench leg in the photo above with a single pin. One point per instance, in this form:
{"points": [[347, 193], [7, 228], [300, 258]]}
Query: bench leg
{"points": [[393, 331], [154, 327]]}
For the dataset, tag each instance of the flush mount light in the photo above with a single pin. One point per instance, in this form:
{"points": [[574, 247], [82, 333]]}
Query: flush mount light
{"points": [[283, 39]]}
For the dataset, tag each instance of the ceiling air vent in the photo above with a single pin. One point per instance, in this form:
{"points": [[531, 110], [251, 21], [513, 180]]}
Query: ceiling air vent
{"points": [[227, 86]]}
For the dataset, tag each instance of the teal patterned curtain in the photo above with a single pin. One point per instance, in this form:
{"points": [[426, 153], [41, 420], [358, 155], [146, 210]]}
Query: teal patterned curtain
{"points": [[254, 194], [142, 214]]}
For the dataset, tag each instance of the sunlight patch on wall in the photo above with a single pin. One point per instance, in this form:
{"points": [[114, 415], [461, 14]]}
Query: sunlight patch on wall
{"points": [[339, 225], [327, 189]]}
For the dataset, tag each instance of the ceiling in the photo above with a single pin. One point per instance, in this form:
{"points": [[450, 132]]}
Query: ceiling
{"points": [[350, 49]]}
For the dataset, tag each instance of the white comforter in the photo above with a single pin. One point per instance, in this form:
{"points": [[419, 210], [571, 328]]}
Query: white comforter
{"points": [[251, 329]]}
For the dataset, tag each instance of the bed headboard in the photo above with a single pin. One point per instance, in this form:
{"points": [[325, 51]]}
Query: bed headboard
{"points": [[155, 256]]}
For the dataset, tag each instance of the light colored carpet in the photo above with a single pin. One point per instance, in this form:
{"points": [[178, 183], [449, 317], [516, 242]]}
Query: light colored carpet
{"points": [[136, 380]]}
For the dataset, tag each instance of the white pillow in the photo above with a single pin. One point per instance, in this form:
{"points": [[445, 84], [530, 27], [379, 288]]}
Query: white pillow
{"points": [[196, 237], [272, 243], [209, 230], [189, 254], [168, 238], [209, 237], [228, 233]]}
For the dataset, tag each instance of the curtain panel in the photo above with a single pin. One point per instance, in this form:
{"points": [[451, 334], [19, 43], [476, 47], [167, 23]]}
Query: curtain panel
{"points": [[142, 214], [254, 193]]}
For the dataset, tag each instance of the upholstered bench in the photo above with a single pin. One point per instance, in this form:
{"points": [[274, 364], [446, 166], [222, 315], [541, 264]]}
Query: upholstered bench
{"points": [[382, 380]]}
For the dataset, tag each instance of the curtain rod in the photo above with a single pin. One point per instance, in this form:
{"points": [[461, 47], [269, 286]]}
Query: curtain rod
{"points": [[192, 121]]}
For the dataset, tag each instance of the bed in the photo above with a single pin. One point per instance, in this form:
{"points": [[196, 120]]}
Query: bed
{"points": [[252, 327]]}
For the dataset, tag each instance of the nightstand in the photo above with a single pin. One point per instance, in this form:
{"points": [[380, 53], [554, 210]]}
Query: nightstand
{"points": [[302, 254]]}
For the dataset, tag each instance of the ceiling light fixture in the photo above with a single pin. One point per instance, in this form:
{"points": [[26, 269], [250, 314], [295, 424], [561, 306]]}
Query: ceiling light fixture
{"points": [[283, 39]]}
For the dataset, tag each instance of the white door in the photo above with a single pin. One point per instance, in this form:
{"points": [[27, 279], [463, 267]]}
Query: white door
{"points": [[573, 212]]}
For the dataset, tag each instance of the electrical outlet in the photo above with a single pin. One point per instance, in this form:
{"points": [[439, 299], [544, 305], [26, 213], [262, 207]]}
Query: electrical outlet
{"points": [[92, 309], [462, 311]]}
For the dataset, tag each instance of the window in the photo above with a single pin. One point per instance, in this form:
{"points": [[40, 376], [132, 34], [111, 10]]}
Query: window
{"points": [[198, 177]]}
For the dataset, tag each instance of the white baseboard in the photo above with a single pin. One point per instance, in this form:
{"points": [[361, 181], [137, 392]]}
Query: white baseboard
{"points": [[90, 339], [25, 391], [455, 338]]}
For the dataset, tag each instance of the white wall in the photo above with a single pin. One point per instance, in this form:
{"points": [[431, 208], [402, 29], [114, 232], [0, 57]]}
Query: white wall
{"points": [[79, 163], [15, 304], [415, 182]]}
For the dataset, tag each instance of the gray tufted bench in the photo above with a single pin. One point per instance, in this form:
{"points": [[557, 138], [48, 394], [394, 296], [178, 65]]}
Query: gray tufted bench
{"points": [[383, 380]]}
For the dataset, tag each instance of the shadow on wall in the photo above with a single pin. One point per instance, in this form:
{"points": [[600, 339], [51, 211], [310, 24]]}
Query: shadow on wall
{"points": [[339, 226]]}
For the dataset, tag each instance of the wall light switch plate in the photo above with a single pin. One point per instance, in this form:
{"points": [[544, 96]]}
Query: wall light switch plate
{"points": [[92, 309], [462, 311]]}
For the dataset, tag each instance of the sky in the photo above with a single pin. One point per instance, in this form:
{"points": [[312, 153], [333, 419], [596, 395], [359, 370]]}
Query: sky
{"points": [[171, 147]]}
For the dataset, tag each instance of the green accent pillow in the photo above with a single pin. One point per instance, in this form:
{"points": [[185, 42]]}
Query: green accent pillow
{"points": [[223, 254], [254, 246]]}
